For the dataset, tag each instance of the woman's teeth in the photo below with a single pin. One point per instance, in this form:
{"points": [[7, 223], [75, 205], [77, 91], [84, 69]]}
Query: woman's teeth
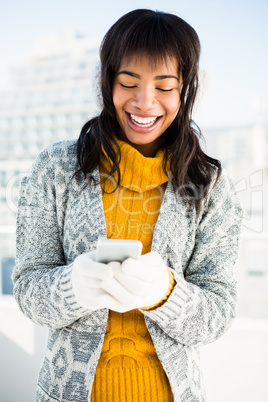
{"points": [[143, 121]]}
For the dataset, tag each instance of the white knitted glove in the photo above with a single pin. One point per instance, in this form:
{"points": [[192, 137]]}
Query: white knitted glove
{"points": [[89, 281], [146, 278]]}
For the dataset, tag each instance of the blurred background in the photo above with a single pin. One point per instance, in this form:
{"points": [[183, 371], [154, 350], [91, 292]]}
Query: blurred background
{"points": [[48, 70]]}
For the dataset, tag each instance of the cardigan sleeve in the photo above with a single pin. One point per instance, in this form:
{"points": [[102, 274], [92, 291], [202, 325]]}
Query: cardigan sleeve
{"points": [[203, 301], [42, 280]]}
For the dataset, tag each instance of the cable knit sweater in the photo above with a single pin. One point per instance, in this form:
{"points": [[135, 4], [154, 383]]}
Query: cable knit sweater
{"points": [[128, 368], [58, 219]]}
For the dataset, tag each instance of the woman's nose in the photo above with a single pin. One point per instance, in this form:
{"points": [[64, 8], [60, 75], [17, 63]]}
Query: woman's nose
{"points": [[144, 98]]}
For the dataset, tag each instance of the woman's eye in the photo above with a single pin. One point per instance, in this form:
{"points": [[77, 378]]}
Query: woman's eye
{"points": [[128, 86], [165, 90]]}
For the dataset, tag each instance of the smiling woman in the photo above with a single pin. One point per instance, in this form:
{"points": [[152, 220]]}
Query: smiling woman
{"points": [[140, 54], [146, 98], [130, 330]]}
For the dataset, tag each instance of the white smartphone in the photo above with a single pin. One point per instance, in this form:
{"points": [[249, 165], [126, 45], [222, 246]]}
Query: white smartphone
{"points": [[117, 250]]}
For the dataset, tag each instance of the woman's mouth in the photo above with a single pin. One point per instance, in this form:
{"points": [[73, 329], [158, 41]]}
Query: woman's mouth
{"points": [[143, 121], [140, 124]]}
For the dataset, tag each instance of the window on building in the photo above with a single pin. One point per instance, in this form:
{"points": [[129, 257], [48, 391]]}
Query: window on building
{"points": [[7, 267]]}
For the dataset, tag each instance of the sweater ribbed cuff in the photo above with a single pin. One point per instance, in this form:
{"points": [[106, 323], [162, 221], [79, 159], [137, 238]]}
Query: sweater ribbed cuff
{"points": [[66, 287], [174, 306]]}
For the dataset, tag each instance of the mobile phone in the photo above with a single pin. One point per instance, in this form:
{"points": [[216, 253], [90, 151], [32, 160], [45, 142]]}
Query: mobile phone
{"points": [[117, 250]]}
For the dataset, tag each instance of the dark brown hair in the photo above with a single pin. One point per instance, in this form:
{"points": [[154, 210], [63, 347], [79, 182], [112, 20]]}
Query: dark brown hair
{"points": [[160, 36]]}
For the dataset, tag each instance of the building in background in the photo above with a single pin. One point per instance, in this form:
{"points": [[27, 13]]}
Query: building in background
{"points": [[50, 100], [243, 151]]}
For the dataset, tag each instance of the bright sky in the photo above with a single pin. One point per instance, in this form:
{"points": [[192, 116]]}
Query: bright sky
{"points": [[233, 36]]}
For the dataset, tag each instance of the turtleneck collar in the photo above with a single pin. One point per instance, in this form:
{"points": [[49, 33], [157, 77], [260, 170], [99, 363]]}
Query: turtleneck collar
{"points": [[138, 173]]}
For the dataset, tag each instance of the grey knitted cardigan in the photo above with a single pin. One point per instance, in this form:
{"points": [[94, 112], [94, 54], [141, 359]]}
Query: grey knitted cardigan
{"points": [[58, 220]]}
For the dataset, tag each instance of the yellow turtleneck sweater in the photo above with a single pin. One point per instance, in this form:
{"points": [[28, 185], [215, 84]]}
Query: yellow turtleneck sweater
{"points": [[128, 368]]}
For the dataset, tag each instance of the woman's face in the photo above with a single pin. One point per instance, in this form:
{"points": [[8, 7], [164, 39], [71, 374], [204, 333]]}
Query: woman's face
{"points": [[146, 97]]}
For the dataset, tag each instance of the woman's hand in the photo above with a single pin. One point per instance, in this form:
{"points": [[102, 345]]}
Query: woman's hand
{"points": [[119, 287], [90, 281], [146, 278]]}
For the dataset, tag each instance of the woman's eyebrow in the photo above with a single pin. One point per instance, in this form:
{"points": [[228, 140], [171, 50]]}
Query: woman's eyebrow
{"points": [[158, 77], [163, 77], [129, 73]]}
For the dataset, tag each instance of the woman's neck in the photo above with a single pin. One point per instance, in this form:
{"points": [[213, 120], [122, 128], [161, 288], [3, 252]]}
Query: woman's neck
{"points": [[148, 150]]}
